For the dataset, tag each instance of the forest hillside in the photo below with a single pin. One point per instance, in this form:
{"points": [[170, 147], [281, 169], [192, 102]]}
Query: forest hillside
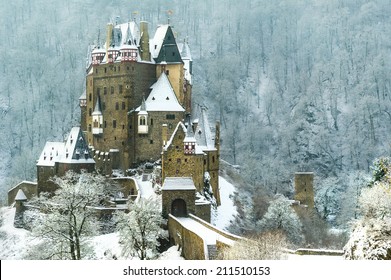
{"points": [[297, 85]]}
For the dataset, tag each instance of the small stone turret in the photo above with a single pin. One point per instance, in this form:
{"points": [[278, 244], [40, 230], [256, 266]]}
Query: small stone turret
{"points": [[20, 199]]}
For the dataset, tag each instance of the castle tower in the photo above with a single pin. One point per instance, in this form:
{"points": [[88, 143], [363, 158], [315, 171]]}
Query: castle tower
{"points": [[20, 199], [83, 111], [304, 188]]}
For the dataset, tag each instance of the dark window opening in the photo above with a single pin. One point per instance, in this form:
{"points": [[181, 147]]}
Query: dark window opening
{"points": [[114, 124]]}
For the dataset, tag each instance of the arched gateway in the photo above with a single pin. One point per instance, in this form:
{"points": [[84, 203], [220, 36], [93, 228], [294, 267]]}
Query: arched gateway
{"points": [[178, 208], [178, 196]]}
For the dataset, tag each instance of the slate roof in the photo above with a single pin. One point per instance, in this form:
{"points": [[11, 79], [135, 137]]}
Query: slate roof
{"points": [[74, 150]]}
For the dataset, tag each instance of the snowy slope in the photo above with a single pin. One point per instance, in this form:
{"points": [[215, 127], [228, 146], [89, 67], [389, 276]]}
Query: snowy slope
{"points": [[14, 242]]}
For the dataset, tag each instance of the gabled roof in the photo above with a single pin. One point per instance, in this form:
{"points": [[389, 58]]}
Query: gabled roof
{"points": [[51, 153], [74, 150], [163, 47], [187, 138], [162, 97], [203, 133], [157, 41]]}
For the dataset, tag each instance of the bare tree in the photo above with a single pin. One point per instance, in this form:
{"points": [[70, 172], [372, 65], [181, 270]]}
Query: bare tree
{"points": [[139, 229], [266, 246], [67, 220]]}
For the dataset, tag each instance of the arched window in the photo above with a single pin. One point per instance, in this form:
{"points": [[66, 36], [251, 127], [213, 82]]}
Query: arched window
{"points": [[142, 120]]}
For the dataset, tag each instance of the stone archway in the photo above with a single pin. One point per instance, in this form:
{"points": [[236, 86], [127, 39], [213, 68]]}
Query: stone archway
{"points": [[178, 208]]}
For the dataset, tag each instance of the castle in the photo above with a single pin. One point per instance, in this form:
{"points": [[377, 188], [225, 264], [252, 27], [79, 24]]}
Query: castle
{"points": [[136, 108]]}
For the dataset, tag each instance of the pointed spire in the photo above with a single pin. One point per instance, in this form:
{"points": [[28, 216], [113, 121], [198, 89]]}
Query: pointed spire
{"points": [[129, 38], [143, 106], [97, 109]]}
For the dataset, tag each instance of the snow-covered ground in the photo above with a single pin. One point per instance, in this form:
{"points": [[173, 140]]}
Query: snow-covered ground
{"points": [[14, 242], [224, 213]]}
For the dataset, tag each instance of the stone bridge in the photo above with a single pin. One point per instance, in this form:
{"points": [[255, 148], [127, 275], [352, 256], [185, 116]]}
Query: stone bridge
{"points": [[198, 239]]}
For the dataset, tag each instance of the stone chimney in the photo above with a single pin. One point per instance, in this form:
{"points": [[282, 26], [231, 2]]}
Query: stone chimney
{"points": [[109, 34], [144, 42]]}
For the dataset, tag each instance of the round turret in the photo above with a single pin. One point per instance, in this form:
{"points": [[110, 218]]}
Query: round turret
{"points": [[97, 56], [112, 54], [128, 52]]}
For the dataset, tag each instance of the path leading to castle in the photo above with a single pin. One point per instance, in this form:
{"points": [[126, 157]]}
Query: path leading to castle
{"points": [[208, 235]]}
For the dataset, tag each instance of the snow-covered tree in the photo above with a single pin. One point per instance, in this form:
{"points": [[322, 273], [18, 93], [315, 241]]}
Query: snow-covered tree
{"points": [[139, 229], [281, 216], [266, 246], [370, 237], [67, 220]]}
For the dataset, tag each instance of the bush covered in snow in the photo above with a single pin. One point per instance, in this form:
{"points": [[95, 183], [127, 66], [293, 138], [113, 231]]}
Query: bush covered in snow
{"points": [[371, 233]]}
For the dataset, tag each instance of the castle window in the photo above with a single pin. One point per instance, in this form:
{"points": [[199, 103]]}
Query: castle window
{"points": [[116, 106], [90, 112], [185, 159], [213, 159], [105, 90], [112, 90], [114, 124], [105, 124], [123, 106], [151, 121], [142, 120], [90, 97], [151, 141], [170, 117], [173, 53], [105, 67], [89, 127], [123, 127], [96, 71], [120, 89], [178, 160], [167, 72]]}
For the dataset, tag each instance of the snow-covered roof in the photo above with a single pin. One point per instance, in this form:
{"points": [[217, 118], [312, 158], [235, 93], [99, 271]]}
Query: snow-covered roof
{"points": [[184, 49], [188, 138], [157, 41], [178, 183], [20, 196], [51, 153], [74, 150], [84, 95], [203, 133], [97, 109], [162, 97]]}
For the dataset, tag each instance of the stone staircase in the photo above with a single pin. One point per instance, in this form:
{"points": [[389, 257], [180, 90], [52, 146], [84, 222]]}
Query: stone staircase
{"points": [[212, 252]]}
